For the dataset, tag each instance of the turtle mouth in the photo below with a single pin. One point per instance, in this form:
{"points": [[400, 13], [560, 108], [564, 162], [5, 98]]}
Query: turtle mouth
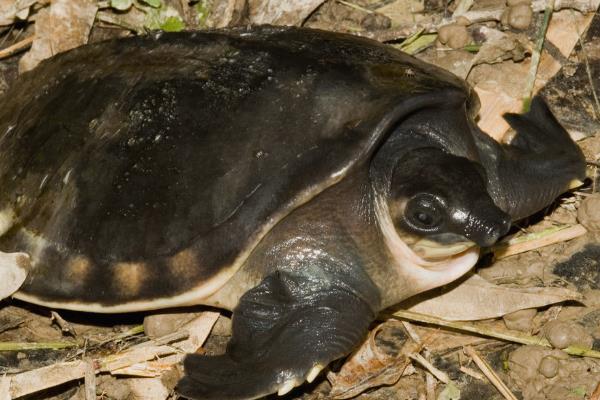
{"points": [[425, 262], [432, 252]]}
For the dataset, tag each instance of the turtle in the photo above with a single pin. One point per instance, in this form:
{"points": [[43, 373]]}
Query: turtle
{"points": [[304, 180]]}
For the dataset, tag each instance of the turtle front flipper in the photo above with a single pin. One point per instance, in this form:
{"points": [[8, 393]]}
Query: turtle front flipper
{"points": [[285, 331], [541, 162]]}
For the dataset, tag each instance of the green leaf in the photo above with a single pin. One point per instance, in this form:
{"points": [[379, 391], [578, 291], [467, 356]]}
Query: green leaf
{"points": [[121, 5], [579, 391], [172, 24], [418, 43], [153, 3], [202, 11]]}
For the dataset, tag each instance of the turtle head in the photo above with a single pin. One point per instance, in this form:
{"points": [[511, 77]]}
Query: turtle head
{"points": [[435, 215], [441, 198]]}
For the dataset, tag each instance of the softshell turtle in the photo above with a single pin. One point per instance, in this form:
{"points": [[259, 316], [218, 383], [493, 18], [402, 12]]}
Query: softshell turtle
{"points": [[303, 179]]}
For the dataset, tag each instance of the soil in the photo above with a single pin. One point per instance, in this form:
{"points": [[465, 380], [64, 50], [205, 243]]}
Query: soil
{"points": [[531, 372]]}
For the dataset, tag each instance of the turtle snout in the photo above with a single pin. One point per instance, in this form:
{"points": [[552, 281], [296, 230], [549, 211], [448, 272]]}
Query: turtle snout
{"points": [[489, 229]]}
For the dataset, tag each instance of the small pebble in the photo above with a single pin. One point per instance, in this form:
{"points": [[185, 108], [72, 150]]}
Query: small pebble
{"points": [[562, 334], [589, 213], [548, 367], [462, 20], [454, 36], [518, 16], [520, 320]]}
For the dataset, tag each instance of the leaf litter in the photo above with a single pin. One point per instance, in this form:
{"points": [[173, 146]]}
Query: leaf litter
{"points": [[495, 56]]}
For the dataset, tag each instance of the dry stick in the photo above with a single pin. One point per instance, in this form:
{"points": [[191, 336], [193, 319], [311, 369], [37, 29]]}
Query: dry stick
{"points": [[472, 373], [537, 240], [507, 336], [15, 48], [355, 6], [430, 384], [535, 57], [440, 375], [64, 326], [89, 380], [18, 346], [28, 382], [490, 374]]}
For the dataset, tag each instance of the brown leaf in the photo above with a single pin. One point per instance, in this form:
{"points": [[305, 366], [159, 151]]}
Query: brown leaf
{"points": [[225, 13], [11, 10], [281, 12], [66, 24], [475, 298], [501, 46], [370, 367]]}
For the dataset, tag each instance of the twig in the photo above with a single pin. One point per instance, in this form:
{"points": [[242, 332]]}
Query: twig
{"points": [[15, 48], [53, 375], [480, 330], [490, 374], [472, 373], [411, 332], [440, 375], [355, 6], [532, 241], [89, 380], [64, 326], [536, 55], [18, 346], [430, 384]]}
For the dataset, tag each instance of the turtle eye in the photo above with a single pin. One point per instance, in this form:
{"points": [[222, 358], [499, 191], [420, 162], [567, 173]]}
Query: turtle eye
{"points": [[423, 213], [424, 218]]}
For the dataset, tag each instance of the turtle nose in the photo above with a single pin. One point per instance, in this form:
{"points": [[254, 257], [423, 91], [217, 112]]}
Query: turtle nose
{"points": [[494, 229]]}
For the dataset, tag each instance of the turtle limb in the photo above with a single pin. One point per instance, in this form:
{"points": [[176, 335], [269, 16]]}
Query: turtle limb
{"points": [[13, 271], [285, 331], [540, 163]]}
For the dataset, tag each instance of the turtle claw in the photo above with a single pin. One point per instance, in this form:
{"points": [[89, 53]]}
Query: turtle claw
{"points": [[313, 373], [287, 387]]}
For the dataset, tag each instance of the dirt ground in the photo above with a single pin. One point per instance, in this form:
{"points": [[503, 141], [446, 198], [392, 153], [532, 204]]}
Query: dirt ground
{"points": [[568, 77]]}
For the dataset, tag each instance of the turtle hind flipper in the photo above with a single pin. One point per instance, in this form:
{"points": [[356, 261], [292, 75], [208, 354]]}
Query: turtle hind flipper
{"points": [[539, 164], [539, 131], [285, 331]]}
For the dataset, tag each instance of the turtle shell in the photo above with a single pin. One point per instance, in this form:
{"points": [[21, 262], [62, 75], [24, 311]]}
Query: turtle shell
{"points": [[140, 173]]}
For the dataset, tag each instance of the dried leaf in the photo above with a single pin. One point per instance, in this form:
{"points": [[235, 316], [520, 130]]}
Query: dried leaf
{"points": [[281, 12], [11, 10], [369, 367], [475, 298], [66, 24], [501, 46], [223, 13], [131, 360]]}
